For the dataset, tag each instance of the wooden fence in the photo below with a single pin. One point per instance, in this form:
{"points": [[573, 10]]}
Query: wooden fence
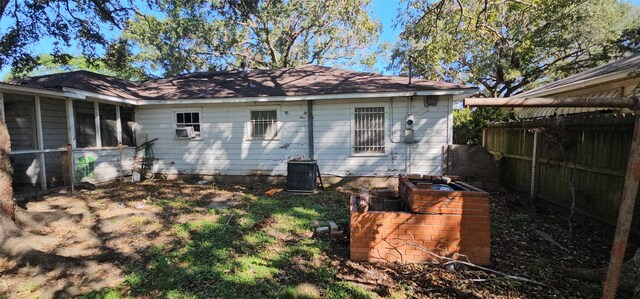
{"points": [[587, 153]]}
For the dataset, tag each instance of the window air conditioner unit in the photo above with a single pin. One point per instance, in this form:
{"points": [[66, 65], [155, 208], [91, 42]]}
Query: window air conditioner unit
{"points": [[185, 133]]}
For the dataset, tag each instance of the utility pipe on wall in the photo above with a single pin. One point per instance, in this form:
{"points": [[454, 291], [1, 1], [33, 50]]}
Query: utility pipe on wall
{"points": [[310, 129]]}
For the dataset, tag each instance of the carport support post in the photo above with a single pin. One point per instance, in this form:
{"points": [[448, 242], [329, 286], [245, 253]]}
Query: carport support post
{"points": [[625, 215], [534, 164], [40, 138]]}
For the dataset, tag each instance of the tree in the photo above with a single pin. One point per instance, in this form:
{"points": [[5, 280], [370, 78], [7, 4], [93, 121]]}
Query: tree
{"points": [[508, 46], [629, 41], [7, 205], [65, 23], [48, 64], [186, 36], [468, 123]]}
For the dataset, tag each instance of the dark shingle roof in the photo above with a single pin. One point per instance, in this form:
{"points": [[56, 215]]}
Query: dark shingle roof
{"points": [[300, 81]]}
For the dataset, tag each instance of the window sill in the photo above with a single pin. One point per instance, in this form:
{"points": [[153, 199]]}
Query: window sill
{"points": [[262, 139], [102, 148], [369, 154]]}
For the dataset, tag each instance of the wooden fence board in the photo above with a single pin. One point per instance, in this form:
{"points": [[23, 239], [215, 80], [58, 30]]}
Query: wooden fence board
{"points": [[596, 158]]}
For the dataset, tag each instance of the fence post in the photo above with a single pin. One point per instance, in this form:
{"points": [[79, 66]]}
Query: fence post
{"points": [[534, 164], [484, 137]]}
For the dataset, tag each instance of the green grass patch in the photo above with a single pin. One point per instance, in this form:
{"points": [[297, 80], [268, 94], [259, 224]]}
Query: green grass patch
{"points": [[260, 250]]}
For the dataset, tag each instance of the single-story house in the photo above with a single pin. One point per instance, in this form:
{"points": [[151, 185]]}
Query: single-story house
{"points": [[227, 123]]}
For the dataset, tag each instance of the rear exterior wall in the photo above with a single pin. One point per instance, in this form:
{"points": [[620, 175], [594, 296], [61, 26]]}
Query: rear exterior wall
{"points": [[225, 149]]}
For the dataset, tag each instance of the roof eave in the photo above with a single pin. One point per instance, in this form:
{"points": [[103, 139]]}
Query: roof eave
{"points": [[65, 93], [78, 94], [12, 88], [456, 92], [83, 94]]}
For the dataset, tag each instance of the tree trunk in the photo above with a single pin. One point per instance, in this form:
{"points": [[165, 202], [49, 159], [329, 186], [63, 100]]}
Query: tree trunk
{"points": [[7, 204]]}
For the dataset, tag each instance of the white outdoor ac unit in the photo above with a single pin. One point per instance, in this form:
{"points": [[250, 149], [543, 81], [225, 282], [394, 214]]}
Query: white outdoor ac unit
{"points": [[185, 133]]}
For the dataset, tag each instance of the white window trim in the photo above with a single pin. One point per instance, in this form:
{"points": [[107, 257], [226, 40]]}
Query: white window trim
{"points": [[189, 110], [249, 127], [353, 127]]}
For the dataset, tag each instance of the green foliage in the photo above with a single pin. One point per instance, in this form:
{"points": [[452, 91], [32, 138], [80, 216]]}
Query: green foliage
{"points": [[64, 23], [187, 36], [468, 123], [49, 64], [629, 41], [510, 46]]}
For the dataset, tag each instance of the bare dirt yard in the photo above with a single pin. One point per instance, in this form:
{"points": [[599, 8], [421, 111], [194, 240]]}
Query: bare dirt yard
{"points": [[175, 239]]}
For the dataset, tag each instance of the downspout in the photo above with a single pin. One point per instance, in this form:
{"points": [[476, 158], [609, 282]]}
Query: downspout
{"points": [[310, 128]]}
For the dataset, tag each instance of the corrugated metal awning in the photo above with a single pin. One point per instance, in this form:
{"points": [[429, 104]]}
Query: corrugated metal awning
{"points": [[536, 112]]}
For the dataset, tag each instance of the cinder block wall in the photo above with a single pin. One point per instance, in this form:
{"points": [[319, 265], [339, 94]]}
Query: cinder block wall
{"points": [[402, 236]]}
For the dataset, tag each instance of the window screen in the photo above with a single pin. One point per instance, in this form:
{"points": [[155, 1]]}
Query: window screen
{"points": [[127, 120], [369, 130], [264, 124], [189, 119], [108, 128], [85, 124]]}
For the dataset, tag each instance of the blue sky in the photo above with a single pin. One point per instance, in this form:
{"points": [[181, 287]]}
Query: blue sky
{"points": [[385, 10]]}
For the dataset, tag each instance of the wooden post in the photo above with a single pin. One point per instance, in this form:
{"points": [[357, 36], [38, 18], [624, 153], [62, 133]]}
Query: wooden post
{"points": [[71, 124], [1, 106], [40, 145], [118, 125], [96, 111], [625, 215], [119, 136], [71, 134], [534, 164], [70, 168], [484, 137]]}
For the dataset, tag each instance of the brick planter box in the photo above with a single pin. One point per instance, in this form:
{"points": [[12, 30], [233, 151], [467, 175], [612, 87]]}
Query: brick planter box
{"points": [[458, 224], [429, 201]]}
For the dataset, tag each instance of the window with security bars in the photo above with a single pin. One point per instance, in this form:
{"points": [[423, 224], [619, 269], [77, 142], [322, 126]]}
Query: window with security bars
{"points": [[369, 130], [189, 119], [264, 124]]}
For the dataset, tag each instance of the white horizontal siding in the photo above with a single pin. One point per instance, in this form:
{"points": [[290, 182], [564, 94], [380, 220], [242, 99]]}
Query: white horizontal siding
{"points": [[108, 164], [333, 148], [225, 149]]}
